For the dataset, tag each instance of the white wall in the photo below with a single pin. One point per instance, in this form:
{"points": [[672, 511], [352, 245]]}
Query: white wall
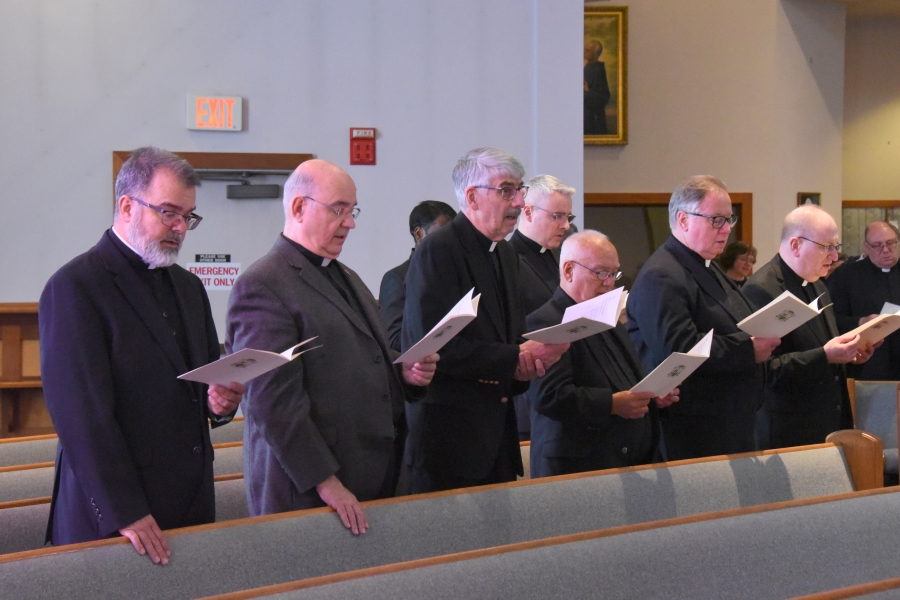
{"points": [[436, 78], [749, 91], [872, 109]]}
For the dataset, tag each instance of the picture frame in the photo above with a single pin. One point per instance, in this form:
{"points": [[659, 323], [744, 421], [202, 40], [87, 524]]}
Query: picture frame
{"points": [[809, 198], [605, 75]]}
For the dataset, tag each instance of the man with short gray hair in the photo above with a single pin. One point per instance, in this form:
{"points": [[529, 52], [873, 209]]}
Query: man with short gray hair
{"points": [[679, 295], [463, 433], [118, 325]]}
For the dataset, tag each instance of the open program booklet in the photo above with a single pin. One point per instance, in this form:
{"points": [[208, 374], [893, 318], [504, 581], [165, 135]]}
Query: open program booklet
{"points": [[584, 319], [880, 327], [669, 374], [780, 316], [453, 322], [244, 365]]}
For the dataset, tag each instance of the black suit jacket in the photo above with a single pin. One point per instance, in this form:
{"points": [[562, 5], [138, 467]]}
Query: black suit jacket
{"points": [[573, 428], [133, 439], [674, 302], [860, 289], [538, 282], [333, 410], [459, 428], [806, 397], [391, 299]]}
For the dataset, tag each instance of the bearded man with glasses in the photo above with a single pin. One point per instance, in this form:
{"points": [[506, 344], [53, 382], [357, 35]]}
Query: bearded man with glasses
{"points": [[679, 295], [118, 324], [463, 433], [860, 289]]}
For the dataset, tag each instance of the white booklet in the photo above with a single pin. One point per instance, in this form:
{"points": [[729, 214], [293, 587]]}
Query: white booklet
{"points": [[244, 365], [584, 319], [459, 316], [669, 374], [880, 327], [780, 316]]}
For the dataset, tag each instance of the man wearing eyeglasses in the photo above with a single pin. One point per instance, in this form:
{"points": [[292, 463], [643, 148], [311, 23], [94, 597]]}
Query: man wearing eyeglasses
{"points": [[118, 324], [545, 220], [679, 295], [806, 395], [463, 433], [327, 428], [860, 289], [584, 416]]}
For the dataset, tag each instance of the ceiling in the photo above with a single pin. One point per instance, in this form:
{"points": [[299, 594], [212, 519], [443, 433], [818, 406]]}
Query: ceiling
{"points": [[869, 8]]}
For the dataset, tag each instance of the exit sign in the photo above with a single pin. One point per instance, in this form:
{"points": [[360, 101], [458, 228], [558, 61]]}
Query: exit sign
{"points": [[214, 113]]}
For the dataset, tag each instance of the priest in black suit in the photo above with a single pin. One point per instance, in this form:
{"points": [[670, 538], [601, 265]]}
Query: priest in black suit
{"points": [[118, 325], [426, 217], [806, 396], [463, 433], [860, 289], [584, 418], [545, 220], [681, 294]]}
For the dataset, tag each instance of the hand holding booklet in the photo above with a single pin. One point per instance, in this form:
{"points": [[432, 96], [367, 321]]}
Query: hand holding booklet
{"points": [[669, 374], [880, 327], [584, 319], [244, 365], [780, 316], [459, 316]]}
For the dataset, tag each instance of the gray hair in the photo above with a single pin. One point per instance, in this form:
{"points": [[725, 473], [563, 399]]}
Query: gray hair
{"points": [[300, 183], [135, 175], [541, 186], [577, 241], [690, 193], [479, 165], [801, 220]]}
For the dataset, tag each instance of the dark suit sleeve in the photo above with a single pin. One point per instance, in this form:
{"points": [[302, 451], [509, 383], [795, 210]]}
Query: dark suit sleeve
{"points": [[556, 395], [668, 313], [433, 287], [840, 288], [80, 395], [789, 367], [391, 299], [259, 319]]}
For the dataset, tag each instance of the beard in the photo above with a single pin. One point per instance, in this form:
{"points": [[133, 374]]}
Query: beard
{"points": [[150, 250]]}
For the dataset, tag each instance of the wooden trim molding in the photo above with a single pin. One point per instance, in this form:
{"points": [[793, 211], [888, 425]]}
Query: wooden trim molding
{"points": [[870, 203], [743, 230]]}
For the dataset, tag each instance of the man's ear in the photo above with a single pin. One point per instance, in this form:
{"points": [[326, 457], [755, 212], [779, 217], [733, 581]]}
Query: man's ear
{"points": [[418, 233], [568, 269], [297, 208], [470, 197], [528, 211], [682, 220], [126, 208]]}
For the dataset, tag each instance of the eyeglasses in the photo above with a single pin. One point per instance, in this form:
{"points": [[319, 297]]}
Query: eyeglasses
{"points": [[890, 245], [827, 248], [557, 216], [602, 275], [717, 222], [340, 211], [507, 192], [171, 218]]}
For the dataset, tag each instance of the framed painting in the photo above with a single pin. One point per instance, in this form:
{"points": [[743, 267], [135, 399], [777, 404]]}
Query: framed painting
{"points": [[809, 198], [606, 75]]}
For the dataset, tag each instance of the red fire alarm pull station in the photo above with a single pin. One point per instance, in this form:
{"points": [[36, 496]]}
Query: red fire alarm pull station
{"points": [[362, 145]]}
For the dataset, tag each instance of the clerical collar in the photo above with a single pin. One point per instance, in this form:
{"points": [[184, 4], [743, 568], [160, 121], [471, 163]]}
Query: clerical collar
{"points": [[134, 256], [707, 263], [531, 243], [319, 261], [883, 270], [484, 241]]}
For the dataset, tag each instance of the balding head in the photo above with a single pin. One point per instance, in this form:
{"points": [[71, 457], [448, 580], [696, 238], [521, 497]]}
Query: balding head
{"points": [[583, 255], [881, 244], [313, 195], [808, 237]]}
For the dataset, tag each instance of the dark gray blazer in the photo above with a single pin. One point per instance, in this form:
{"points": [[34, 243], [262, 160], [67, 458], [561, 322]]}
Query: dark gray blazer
{"points": [[330, 412], [806, 397]]}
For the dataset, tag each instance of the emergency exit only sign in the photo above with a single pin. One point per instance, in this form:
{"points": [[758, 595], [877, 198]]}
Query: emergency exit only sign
{"points": [[215, 113]]}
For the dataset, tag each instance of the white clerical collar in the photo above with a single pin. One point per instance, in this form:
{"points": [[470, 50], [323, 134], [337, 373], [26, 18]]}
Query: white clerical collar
{"points": [[124, 241], [325, 261], [885, 270], [804, 283], [707, 263], [493, 245], [543, 249]]}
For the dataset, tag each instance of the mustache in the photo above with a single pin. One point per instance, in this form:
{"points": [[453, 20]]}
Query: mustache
{"points": [[513, 212], [175, 236]]}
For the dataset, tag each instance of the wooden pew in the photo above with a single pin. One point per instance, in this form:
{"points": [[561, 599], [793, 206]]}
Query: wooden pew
{"points": [[285, 547], [770, 551]]}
